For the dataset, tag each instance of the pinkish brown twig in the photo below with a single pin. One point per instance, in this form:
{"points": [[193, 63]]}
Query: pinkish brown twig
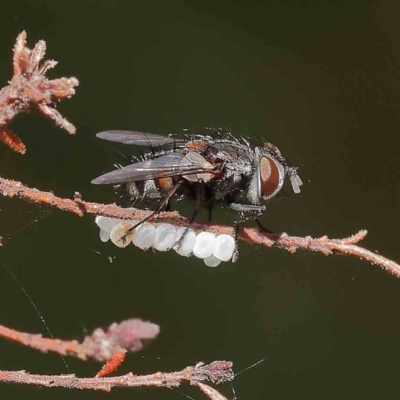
{"points": [[210, 391], [130, 335], [110, 347], [216, 372], [323, 244], [29, 88]]}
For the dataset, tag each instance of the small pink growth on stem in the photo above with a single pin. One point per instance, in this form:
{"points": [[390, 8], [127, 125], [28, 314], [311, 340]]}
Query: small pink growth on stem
{"points": [[215, 372], [130, 335]]}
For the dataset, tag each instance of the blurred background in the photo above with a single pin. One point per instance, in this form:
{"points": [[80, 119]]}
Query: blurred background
{"points": [[321, 80]]}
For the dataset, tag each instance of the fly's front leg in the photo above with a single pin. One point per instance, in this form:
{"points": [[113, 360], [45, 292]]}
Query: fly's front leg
{"points": [[262, 227], [245, 212]]}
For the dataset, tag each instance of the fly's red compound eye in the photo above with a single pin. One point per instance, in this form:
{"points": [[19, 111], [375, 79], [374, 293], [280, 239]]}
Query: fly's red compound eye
{"points": [[271, 177]]}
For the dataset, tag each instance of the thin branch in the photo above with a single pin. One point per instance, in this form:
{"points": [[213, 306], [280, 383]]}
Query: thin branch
{"points": [[322, 245], [130, 335], [111, 346], [210, 391], [29, 88], [217, 372]]}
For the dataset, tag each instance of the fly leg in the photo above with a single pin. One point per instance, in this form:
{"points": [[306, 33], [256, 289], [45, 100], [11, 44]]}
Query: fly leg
{"points": [[199, 197], [262, 227], [164, 202], [245, 212], [168, 206], [179, 241], [266, 230]]}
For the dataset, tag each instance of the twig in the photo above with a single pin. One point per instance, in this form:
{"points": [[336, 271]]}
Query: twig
{"points": [[323, 244], [210, 391], [110, 347], [216, 372], [29, 88], [130, 335]]}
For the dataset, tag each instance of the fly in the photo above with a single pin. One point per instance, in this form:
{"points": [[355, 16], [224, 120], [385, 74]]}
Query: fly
{"points": [[207, 170]]}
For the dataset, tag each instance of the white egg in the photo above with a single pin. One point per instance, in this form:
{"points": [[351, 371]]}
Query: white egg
{"points": [[224, 247], [165, 237], [204, 245], [118, 234], [106, 223], [187, 244], [212, 261], [104, 235], [144, 236]]}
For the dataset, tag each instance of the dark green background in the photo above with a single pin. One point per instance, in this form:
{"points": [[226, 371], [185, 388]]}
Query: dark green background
{"points": [[321, 80]]}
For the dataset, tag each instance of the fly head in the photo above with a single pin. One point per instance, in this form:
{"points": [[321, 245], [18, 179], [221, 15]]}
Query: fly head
{"points": [[270, 171]]}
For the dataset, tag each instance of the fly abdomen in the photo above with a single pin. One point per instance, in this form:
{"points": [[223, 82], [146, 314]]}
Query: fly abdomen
{"points": [[143, 190], [165, 185], [132, 190], [149, 189]]}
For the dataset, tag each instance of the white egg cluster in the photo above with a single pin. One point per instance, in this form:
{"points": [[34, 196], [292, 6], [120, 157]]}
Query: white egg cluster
{"points": [[212, 249]]}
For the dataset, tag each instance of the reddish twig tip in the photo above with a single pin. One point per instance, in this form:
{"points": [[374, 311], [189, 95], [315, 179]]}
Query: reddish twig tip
{"points": [[112, 363]]}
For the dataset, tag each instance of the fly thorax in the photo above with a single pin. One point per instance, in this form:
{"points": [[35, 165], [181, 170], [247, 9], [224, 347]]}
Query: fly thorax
{"points": [[194, 158], [199, 177]]}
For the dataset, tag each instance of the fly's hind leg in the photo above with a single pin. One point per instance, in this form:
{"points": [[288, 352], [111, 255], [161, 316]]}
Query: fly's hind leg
{"points": [[245, 212], [164, 203], [179, 241], [168, 206], [199, 197]]}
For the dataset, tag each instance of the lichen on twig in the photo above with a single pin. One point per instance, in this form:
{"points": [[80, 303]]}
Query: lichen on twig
{"points": [[29, 88]]}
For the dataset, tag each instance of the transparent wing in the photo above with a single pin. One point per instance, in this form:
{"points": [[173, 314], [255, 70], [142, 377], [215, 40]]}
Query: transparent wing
{"points": [[139, 138], [173, 164]]}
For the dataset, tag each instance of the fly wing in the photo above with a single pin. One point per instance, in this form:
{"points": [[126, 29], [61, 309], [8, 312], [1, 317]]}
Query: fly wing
{"points": [[172, 164], [139, 138]]}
